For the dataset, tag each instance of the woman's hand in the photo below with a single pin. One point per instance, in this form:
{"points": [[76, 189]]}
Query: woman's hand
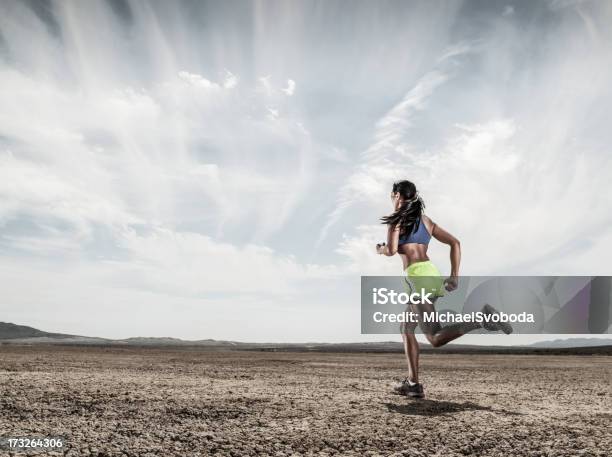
{"points": [[451, 283], [380, 248]]}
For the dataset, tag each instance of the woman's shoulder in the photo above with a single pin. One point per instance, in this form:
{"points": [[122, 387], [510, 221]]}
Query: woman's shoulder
{"points": [[429, 224]]}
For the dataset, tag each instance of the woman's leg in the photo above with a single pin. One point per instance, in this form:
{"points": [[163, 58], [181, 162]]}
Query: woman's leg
{"points": [[438, 335], [411, 349]]}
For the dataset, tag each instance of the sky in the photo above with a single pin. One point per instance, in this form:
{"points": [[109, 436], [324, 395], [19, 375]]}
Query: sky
{"points": [[218, 169]]}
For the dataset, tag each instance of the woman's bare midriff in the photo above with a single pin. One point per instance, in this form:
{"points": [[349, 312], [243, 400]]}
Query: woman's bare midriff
{"points": [[412, 253]]}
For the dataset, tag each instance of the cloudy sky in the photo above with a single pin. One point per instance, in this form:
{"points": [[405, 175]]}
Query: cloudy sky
{"points": [[217, 170]]}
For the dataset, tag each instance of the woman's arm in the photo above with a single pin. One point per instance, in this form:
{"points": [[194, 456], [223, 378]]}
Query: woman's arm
{"points": [[455, 247], [392, 242]]}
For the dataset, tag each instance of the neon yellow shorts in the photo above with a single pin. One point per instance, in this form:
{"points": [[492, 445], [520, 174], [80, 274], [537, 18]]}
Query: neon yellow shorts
{"points": [[425, 275]]}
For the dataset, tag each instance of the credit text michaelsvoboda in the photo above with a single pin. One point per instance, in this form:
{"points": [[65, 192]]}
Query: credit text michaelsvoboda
{"points": [[385, 296]]}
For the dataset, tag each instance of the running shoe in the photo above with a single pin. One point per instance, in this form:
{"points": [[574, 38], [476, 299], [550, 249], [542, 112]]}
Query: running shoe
{"points": [[495, 326], [405, 388]]}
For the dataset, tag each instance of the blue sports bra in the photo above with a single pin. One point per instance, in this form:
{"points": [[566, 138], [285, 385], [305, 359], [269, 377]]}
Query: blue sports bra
{"points": [[419, 236]]}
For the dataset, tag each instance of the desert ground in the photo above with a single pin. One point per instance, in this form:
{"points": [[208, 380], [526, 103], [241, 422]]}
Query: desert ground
{"points": [[182, 402]]}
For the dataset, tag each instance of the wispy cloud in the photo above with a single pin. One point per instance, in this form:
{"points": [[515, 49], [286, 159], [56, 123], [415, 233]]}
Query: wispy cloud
{"points": [[379, 162]]}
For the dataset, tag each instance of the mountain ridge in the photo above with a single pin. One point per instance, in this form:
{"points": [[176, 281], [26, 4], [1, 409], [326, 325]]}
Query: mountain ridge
{"points": [[11, 333]]}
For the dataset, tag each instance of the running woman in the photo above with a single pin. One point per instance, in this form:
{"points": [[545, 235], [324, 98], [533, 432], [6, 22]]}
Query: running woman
{"points": [[409, 233]]}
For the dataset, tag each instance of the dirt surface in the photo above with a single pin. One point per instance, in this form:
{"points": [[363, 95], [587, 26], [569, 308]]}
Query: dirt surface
{"points": [[145, 402]]}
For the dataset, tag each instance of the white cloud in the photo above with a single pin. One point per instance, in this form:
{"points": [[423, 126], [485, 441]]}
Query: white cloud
{"points": [[36, 191], [290, 89], [191, 264], [198, 81], [479, 187], [272, 113], [265, 84], [377, 166], [230, 80], [359, 250]]}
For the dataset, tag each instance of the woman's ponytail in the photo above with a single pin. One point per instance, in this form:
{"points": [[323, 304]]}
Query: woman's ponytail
{"points": [[408, 215]]}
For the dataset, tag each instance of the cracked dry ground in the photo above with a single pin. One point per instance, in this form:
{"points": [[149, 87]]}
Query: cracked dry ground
{"points": [[181, 402]]}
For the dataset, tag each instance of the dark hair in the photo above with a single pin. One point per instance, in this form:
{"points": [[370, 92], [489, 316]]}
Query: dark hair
{"points": [[408, 215]]}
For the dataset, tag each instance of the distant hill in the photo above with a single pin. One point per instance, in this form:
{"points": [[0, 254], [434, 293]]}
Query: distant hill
{"points": [[22, 334], [573, 343], [10, 331]]}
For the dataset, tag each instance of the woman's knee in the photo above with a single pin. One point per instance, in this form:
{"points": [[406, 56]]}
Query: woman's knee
{"points": [[433, 340], [408, 328]]}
